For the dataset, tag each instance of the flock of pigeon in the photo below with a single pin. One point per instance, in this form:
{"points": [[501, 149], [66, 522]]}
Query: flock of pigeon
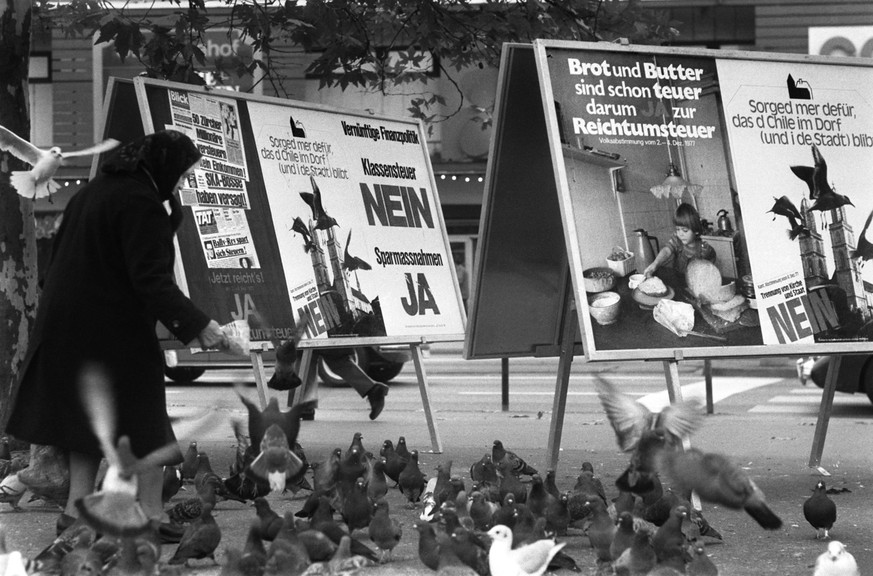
{"points": [[505, 519]]}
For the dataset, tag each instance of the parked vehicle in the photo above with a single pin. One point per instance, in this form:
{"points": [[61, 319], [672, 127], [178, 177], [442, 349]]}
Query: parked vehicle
{"points": [[855, 375], [382, 363]]}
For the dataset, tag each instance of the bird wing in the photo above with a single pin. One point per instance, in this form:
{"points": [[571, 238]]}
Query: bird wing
{"points": [[627, 416], [317, 206], [681, 419], [866, 224], [820, 172], [18, 147], [533, 556], [806, 173], [104, 146], [99, 402]]}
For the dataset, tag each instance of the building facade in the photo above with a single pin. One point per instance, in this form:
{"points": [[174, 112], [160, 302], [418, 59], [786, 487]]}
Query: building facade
{"points": [[70, 77]]}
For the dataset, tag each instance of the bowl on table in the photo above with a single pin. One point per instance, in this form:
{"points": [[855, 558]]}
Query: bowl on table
{"points": [[635, 280], [604, 307], [598, 279]]}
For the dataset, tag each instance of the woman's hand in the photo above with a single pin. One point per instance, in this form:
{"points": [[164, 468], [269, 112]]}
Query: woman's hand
{"points": [[212, 337]]}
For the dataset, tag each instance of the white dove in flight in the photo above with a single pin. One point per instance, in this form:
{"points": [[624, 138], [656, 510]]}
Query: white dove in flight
{"points": [[37, 182]]}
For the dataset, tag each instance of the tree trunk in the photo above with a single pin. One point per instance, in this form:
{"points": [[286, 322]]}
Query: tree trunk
{"points": [[18, 272]]}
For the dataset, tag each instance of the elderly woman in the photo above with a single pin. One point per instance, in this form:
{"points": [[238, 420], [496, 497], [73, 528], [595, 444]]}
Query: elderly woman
{"points": [[110, 280]]}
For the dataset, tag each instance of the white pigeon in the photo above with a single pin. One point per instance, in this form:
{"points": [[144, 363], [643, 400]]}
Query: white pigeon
{"points": [[837, 561], [528, 560], [37, 182]]}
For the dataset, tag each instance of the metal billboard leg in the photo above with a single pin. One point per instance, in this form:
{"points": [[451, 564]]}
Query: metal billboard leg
{"points": [[435, 441]]}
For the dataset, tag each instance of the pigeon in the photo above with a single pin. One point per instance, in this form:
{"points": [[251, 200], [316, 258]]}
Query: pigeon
{"points": [[313, 200], [45, 476], [345, 561], [275, 432], [700, 564], [81, 560], [351, 467], [465, 547], [480, 510], [189, 509], [205, 474], [287, 554], [394, 463], [402, 450], [484, 470], [532, 559], [377, 485], [319, 547], [443, 476], [588, 484], [639, 558], [172, 483], [384, 531], [249, 561], [352, 263], [269, 520], [12, 489], [322, 520], [428, 547], [641, 475], [820, 511], [188, 468], [558, 515], [510, 483], [200, 540], [717, 480], [538, 498], [837, 561], [864, 250], [668, 540], [38, 182], [601, 531], [412, 480], [517, 463], [624, 535], [550, 484], [629, 418], [356, 510], [285, 375]]}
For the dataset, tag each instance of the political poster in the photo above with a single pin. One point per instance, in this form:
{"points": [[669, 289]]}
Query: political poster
{"points": [[713, 203], [802, 142], [309, 216]]}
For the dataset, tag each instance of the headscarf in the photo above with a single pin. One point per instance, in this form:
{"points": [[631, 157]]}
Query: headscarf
{"points": [[164, 156]]}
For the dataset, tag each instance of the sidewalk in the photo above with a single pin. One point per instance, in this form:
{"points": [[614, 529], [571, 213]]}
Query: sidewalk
{"points": [[773, 450]]}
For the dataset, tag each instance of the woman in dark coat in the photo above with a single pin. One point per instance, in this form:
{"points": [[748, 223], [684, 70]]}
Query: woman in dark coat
{"points": [[110, 280]]}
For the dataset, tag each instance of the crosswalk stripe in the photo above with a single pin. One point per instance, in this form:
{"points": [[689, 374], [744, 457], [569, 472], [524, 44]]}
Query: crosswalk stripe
{"points": [[805, 401]]}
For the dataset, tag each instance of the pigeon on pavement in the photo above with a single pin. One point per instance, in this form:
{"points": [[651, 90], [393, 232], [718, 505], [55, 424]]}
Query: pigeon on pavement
{"points": [[428, 547], [499, 453], [188, 468], [412, 480], [700, 564], [269, 521], [200, 540], [836, 561], [820, 511], [384, 531]]}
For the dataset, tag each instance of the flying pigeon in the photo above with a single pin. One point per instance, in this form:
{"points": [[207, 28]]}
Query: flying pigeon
{"points": [[837, 561], [820, 511], [629, 418], [274, 433], [37, 182]]}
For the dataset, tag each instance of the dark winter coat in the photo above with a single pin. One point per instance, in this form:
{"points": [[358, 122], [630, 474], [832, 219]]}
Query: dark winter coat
{"points": [[110, 280]]}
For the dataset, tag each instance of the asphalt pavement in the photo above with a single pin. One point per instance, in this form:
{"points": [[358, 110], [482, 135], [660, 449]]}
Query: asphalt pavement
{"points": [[771, 445]]}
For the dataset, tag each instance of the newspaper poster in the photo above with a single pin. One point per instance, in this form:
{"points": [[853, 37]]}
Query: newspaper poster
{"points": [[217, 190], [801, 136]]}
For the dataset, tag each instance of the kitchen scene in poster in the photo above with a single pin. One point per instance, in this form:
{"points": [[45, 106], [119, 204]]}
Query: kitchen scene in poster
{"points": [[759, 174], [357, 222]]}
